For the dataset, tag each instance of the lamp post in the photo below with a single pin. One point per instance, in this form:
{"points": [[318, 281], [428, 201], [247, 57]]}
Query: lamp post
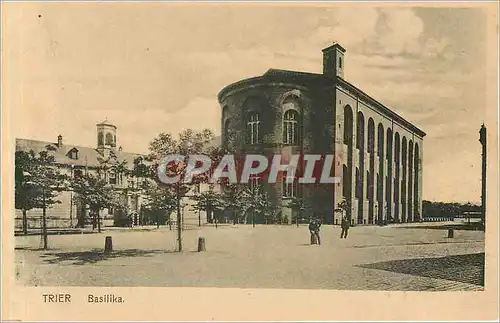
{"points": [[482, 140], [71, 200]]}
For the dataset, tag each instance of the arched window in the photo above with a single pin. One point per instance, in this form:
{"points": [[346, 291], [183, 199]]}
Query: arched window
{"points": [[255, 184], [289, 189], [371, 135], [253, 129], [291, 128], [345, 182], [348, 125], [100, 139], [380, 141], [359, 184], [109, 139], [360, 131], [227, 131]]}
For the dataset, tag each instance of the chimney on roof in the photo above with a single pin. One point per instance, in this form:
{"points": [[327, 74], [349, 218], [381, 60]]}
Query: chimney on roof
{"points": [[59, 141], [333, 61]]}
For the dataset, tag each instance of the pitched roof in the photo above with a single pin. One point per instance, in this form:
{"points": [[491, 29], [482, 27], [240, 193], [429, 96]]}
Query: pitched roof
{"points": [[87, 156], [305, 78]]}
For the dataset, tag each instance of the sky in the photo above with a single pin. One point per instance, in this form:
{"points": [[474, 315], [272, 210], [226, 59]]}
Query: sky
{"points": [[158, 67]]}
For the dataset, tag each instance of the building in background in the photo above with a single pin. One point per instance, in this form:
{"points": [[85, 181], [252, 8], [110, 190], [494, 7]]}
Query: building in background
{"points": [[77, 160], [378, 153]]}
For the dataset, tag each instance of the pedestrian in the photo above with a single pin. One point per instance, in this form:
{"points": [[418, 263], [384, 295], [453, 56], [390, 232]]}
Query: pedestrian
{"points": [[314, 227], [345, 227]]}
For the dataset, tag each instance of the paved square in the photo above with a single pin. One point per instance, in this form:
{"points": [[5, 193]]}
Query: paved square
{"points": [[261, 257]]}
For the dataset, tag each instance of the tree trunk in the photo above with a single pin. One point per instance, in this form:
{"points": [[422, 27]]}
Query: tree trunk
{"points": [[44, 222], [253, 219], [25, 222], [98, 221], [93, 219], [199, 218], [179, 227], [157, 220], [81, 219]]}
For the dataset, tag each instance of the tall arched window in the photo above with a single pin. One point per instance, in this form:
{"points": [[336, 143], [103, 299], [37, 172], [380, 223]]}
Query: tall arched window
{"points": [[109, 139], [253, 129], [227, 131], [100, 139], [290, 189], [348, 125], [360, 131], [291, 127], [345, 182], [371, 135]]}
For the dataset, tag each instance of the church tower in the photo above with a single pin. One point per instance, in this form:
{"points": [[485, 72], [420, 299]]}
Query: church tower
{"points": [[333, 61], [106, 137]]}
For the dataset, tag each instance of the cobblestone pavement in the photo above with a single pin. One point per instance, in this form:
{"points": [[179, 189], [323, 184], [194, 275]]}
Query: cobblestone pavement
{"points": [[372, 258]]}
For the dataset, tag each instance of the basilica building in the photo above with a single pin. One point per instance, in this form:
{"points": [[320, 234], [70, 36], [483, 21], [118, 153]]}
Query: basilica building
{"points": [[378, 153]]}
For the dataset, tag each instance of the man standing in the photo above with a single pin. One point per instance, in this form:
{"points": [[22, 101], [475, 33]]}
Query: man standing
{"points": [[345, 227], [314, 226]]}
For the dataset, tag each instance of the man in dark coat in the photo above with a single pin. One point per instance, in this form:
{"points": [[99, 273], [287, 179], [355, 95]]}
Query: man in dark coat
{"points": [[345, 227], [314, 226]]}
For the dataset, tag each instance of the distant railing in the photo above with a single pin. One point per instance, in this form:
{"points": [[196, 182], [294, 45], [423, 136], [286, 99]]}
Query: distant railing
{"points": [[35, 223], [437, 219]]}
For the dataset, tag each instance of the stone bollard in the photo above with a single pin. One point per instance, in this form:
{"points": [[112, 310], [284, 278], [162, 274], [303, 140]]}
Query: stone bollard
{"points": [[108, 244], [450, 233], [201, 244]]}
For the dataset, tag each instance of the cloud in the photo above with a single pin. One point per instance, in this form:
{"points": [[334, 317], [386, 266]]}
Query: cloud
{"points": [[158, 67]]}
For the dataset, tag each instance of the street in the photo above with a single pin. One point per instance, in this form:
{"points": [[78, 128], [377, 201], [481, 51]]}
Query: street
{"points": [[372, 258]]}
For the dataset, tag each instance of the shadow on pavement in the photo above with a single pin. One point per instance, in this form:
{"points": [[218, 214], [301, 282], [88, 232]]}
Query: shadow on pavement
{"points": [[460, 268], [94, 256]]}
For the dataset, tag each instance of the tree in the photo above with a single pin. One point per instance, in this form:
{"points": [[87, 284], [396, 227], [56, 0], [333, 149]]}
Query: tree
{"points": [[259, 204], [299, 205], [95, 192], [188, 143], [233, 200], [38, 183], [25, 196], [160, 201], [208, 201]]}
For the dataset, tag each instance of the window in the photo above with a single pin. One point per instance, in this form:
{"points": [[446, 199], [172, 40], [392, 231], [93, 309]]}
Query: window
{"points": [[100, 139], [369, 186], [73, 153], [359, 184], [227, 132], [255, 184], [289, 189], [112, 178], [340, 62], [197, 188], [253, 129], [290, 128], [109, 139]]}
